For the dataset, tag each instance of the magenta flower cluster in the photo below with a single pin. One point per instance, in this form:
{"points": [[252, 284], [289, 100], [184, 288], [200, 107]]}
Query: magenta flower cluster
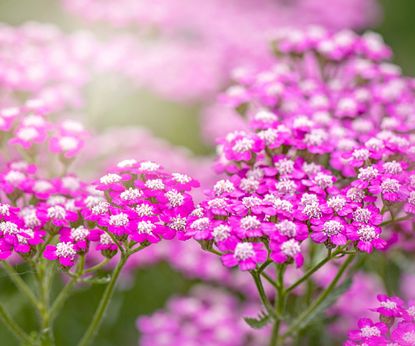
{"points": [[395, 326], [136, 204], [293, 176]]}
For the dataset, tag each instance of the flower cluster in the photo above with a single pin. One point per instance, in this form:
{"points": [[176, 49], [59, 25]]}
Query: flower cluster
{"points": [[207, 316], [134, 205], [336, 81], [396, 325], [293, 175], [274, 207], [34, 210]]}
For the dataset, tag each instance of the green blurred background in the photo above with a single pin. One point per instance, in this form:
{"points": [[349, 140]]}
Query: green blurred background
{"points": [[178, 124]]}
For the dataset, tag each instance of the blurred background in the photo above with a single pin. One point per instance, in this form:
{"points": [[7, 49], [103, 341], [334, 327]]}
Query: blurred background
{"points": [[114, 102]]}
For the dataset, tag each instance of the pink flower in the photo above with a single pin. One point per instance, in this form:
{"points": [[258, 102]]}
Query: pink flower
{"points": [[333, 230], [246, 255], [369, 332], [64, 252], [404, 334], [282, 252], [367, 237], [68, 146], [389, 306]]}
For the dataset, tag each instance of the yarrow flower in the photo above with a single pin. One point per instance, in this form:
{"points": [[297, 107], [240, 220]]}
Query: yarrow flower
{"points": [[396, 326]]}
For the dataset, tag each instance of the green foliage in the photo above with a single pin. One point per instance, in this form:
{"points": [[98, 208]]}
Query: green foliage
{"points": [[261, 321]]}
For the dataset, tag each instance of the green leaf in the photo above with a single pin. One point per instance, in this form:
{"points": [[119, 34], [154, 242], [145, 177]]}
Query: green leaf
{"points": [[257, 323], [97, 280]]}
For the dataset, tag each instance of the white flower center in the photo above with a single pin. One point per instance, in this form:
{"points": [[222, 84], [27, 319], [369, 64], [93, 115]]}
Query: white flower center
{"points": [[287, 228], [119, 220], [249, 185], [337, 203], [145, 227], [285, 166], [8, 227], [361, 154], [355, 194], [181, 178], [313, 211], [361, 215], [14, 177], [144, 210], [80, 233], [388, 304], [368, 173], [332, 227], [392, 167], [250, 223], [57, 212], [409, 337], [4, 209], [223, 186], [105, 239], [200, 224], [130, 194], [244, 251], [242, 145], [176, 199], [323, 180], [290, 248], [368, 331], [110, 178], [155, 184], [65, 250], [178, 223], [390, 185], [149, 166], [27, 134], [101, 208], [221, 232]]}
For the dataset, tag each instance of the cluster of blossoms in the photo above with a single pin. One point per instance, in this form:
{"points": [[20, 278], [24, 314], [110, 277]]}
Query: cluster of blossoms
{"points": [[396, 325], [201, 53], [276, 206], [35, 209], [325, 157], [136, 204], [29, 131], [340, 82], [207, 316], [304, 166]]}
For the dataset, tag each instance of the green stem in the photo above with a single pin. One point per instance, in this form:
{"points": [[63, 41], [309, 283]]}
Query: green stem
{"points": [[279, 305], [264, 299], [114, 239], [137, 249], [103, 304], [98, 266], [43, 276], [296, 325], [269, 279], [14, 327], [311, 271], [20, 284], [404, 218], [64, 294]]}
